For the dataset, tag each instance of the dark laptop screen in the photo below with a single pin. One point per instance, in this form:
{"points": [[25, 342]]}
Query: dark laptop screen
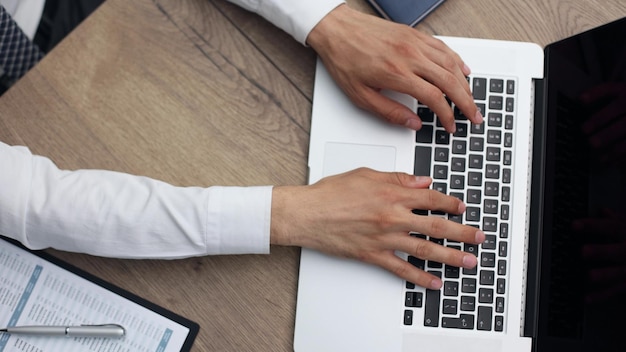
{"points": [[581, 301]]}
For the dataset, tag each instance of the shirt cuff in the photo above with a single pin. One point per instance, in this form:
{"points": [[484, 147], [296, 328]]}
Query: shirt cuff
{"points": [[239, 220], [297, 17]]}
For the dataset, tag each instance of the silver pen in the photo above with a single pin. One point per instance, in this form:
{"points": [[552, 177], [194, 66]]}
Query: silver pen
{"points": [[103, 330]]}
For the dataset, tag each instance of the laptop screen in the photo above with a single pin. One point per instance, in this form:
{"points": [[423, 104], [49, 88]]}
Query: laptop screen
{"points": [[580, 300]]}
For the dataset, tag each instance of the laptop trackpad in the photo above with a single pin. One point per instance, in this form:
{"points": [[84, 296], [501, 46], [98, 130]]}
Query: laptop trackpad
{"points": [[342, 157]]}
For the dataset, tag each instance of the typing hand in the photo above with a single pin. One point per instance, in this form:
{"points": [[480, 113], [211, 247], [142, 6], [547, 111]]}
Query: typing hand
{"points": [[365, 54], [367, 215], [604, 255]]}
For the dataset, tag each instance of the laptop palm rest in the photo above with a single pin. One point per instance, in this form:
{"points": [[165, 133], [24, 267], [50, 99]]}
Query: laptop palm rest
{"points": [[342, 157]]}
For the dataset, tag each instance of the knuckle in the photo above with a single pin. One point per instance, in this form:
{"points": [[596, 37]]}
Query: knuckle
{"points": [[422, 249], [437, 227]]}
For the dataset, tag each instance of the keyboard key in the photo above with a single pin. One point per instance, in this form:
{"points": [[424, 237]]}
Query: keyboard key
{"points": [[488, 259], [442, 137], [490, 206], [496, 85], [494, 137], [508, 139], [425, 134], [441, 154], [457, 182], [477, 144], [468, 303], [441, 172], [431, 305], [495, 102], [499, 304], [413, 299], [459, 147], [508, 122], [485, 295], [510, 86], [509, 104], [416, 262], [501, 286], [484, 318], [489, 242], [479, 88], [490, 224], [450, 307], [464, 321], [408, 317], [440, 187], [487, 277], [470, 248], [501, 267], [493, 154], [468, 285], [422, 161], [477, 128], [425, 114], [499, 323], [472, 214], [461, 129], [474, 178], [492, 171], [492, 189], [458, 164], [504, 212], [450, 288], [504, 230], [475, 161], [503, 249]]}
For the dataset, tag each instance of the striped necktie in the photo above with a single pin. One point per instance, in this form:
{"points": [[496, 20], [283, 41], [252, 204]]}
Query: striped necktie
{"points": [[17, 53]]}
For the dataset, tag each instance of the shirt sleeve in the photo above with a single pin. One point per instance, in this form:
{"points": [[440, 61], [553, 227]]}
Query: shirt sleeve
{"points": [[114, 214], [296, 17]]}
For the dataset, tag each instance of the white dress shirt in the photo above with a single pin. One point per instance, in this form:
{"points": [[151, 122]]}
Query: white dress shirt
{"points": [[114, 214]]}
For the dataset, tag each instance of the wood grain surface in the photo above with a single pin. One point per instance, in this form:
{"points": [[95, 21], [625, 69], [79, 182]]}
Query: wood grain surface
{"points": [[200, 93]]}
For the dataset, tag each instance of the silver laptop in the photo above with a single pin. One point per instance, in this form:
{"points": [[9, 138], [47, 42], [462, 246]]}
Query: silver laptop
{"points": [[526, 174]]}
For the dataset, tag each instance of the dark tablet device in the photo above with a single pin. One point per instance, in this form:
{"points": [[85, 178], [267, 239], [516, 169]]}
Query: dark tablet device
{"points": [[409, 12]]}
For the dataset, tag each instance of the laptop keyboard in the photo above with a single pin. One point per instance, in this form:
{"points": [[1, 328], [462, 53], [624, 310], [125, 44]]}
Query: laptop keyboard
{"points": [[475, 165]]}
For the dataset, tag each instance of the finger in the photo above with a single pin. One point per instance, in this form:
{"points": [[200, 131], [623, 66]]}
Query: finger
{"points": [[446, 50], [405, 270], [456, 90], [428, 199], [428, 250], [389, 109], [439, 227]]}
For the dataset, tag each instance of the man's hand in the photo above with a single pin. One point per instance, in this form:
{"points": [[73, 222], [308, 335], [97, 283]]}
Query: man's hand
{"points": [[367, 215], [365, 54]]}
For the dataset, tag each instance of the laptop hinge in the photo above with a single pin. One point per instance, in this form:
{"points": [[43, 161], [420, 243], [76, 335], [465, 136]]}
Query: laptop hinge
{"points": [[535, 211]]}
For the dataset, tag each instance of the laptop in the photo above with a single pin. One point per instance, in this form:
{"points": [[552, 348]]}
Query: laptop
{"points": [[526, 175]]}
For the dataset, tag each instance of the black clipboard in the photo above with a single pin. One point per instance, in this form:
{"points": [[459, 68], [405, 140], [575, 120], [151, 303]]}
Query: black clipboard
{"points": [[193, 327]]}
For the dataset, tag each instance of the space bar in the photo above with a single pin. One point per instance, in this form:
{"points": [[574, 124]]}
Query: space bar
{"points": [[422, 161]]}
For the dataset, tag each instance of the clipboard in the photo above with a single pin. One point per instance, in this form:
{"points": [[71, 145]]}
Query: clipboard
{"points": [[34, 280]]}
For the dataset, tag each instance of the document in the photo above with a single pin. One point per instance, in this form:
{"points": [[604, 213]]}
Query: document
{"points": [[36, 291]]}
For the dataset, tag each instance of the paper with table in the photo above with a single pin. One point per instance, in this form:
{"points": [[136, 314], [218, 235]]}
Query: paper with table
{"points": [[37, 291]]}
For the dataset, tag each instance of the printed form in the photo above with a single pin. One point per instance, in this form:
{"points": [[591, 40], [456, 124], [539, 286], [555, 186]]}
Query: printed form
{"points": [[34, 291]]}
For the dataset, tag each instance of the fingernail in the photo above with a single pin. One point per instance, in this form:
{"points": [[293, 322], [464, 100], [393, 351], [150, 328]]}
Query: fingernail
{"points": [[478, 117], [436, 284], [479, 237], [422, 179], [466, 69], [413, 124], [469, 261], [461, 207]]}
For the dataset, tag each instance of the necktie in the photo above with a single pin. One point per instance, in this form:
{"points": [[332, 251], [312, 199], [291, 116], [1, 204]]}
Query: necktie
{"points": [[17, 53]]}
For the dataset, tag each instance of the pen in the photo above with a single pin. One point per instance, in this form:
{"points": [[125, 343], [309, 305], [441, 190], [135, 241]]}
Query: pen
{"points": [[104, 330]]}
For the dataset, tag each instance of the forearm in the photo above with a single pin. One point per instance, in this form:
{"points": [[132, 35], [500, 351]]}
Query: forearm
{"points": [[120, 215]]}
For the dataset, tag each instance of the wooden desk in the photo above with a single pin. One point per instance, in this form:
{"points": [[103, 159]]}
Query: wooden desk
{"points": [[200, 92]]}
